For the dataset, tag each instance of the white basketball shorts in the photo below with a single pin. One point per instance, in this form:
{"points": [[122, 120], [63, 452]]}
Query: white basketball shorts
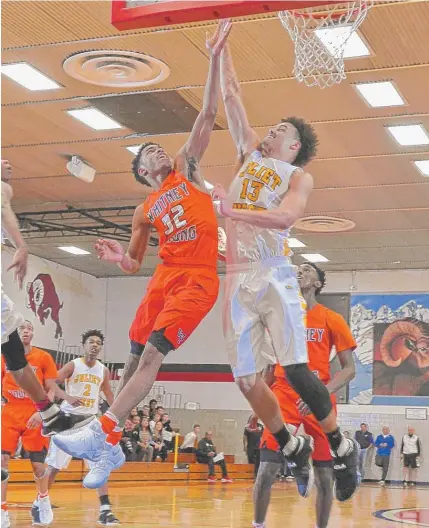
{"points": [[58, 459], [11, 319], [263, 317]]}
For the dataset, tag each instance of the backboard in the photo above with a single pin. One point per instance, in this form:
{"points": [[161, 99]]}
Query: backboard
{"points": [[135, 14]]}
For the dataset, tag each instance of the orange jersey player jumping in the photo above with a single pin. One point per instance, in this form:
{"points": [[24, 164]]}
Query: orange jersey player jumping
{"points": [[20, 419], [184, 287], [325, 329]]}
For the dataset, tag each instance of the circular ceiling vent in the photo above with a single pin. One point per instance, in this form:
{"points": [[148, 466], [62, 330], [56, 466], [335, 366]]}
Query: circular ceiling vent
{"points": [[324, 224], [116, 69]]}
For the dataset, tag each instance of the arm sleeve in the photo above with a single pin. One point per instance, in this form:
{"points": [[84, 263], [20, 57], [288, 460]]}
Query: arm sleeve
{"points": [[402, 446], [418, 447], [341, 335], [49, 368]]}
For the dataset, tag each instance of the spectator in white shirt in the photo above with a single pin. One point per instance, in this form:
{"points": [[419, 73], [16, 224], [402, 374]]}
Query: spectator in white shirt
{"points": [[410, 452], [188, 445]]}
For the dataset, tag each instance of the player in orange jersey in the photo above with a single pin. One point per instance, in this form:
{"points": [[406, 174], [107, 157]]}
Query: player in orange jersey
{"points": [[184, 287], [325, 329], [20, 419]]}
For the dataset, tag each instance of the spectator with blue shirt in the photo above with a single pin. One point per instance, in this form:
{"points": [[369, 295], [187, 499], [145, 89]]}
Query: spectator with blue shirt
{"points": [[384, 444]]}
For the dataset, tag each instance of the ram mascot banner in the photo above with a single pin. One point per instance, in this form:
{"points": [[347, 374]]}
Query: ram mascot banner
{"points": [[392, 357]]}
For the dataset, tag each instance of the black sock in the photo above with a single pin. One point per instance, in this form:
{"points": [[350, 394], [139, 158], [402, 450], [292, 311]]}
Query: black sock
{"points": [[282, 437], [335, 439], [104, 500]]}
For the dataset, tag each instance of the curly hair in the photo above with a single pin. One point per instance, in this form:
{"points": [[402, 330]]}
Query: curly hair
{"points": [[308, 139], [321, 276], [90, 333], [136, 162]]}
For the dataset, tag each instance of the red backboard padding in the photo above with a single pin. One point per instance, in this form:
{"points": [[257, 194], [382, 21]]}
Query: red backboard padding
{"points": [[182, 12]]}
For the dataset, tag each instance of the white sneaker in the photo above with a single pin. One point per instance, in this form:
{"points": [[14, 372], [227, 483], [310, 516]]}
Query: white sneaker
{"points": [[111, 458], [382, 483], [5, 521], [45, 511], [88, 443]]}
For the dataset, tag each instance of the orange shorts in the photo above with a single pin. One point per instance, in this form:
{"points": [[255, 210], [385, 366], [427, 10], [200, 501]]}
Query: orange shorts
{"points": [[177, 300], [14, 418], [288, 407]]}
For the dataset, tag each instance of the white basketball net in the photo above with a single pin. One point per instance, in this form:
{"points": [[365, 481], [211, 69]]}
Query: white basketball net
{"points": [[320, 36]]}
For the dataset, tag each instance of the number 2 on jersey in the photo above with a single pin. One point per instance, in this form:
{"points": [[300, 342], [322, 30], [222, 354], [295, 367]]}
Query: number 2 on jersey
{"points": [[174, 222], [87, 390], [256, 187]]}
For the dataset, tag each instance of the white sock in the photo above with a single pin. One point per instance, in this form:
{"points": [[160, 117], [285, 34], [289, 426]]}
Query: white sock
{"points": [[258, 525], [105, 507], [291, 446]]}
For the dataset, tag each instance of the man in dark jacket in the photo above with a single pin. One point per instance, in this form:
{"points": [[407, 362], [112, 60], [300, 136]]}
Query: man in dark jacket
{"points": [[206, 454], [365, 439]]}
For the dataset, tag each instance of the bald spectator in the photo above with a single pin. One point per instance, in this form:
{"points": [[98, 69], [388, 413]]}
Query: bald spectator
{"points": [[410, 452], [384, 444]]}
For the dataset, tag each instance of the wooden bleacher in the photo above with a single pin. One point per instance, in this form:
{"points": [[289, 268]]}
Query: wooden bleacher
{"points": [[20, 471]]}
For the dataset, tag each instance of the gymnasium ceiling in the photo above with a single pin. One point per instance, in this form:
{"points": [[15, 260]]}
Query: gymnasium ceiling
{"points": [[361, 173]]}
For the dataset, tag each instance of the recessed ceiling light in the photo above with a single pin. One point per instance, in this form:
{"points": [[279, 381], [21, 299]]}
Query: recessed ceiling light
{"points": [[409, 135], [134, 149], [28, 77], [94, 119], [333, 39], [295, 243], [314, 257], [423, 166], [74, 250], [380, 94]]}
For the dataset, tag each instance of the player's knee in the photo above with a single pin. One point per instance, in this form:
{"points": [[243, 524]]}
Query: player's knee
{"points": [[159, 341], [14, 353], [246, 383], [267, 475], [311, 389], [5, 457], [150, 357]]}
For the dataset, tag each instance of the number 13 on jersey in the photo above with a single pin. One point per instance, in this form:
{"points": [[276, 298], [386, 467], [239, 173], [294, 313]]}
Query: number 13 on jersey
{"points": [[173, 220]]}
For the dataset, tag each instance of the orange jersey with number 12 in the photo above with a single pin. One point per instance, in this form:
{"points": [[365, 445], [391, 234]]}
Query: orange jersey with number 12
{"points": [[186, 222]]}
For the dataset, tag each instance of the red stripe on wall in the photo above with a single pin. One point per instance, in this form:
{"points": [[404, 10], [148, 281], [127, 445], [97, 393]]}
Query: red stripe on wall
{"points": [[215, 377]]}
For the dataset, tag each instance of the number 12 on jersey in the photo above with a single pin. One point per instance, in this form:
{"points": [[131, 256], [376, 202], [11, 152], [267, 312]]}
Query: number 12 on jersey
{"points": [[173, 220]]}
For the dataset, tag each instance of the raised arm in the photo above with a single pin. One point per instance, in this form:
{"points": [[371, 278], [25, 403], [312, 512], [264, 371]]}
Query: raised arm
{"points": [[291, 208], [131, 261], [245, 138], [190, 155], [10, 224]]}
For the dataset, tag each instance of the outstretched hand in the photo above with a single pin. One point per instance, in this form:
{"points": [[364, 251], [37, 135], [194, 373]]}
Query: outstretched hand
{"points": [[219, 194], [19, 265], [110, 250], [216, 43]]}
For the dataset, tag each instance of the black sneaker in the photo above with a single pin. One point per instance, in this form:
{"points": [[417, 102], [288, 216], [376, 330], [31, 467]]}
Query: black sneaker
{"points": [[108, 519], [63, 421], [346, 473], [4, 475], [35, 515], [300, 465]]}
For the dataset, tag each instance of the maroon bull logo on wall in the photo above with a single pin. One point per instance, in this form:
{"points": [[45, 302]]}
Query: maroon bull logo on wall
{"points": [[42, 299]]}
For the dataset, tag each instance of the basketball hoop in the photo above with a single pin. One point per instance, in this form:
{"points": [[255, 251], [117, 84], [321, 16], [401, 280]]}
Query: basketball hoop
{"points": [[320, 37]]}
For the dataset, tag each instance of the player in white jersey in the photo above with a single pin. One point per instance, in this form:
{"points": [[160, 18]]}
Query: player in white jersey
{"points": [[84, 379], [268, 194], [12, 349]]}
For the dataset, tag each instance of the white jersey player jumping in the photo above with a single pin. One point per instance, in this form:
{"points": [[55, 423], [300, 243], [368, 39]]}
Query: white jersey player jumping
{"points": [[262, 295], [85, 378]]}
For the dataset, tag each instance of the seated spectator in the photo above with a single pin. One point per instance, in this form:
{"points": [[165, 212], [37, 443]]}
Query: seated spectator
{"points": [[251, 438], [144, 411], [134, 412], [145, 449], [206, 453], [165, 420], [127, 441], [384, 444], [159, 447], [188, 445], [152, 407], [156, 418]]}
